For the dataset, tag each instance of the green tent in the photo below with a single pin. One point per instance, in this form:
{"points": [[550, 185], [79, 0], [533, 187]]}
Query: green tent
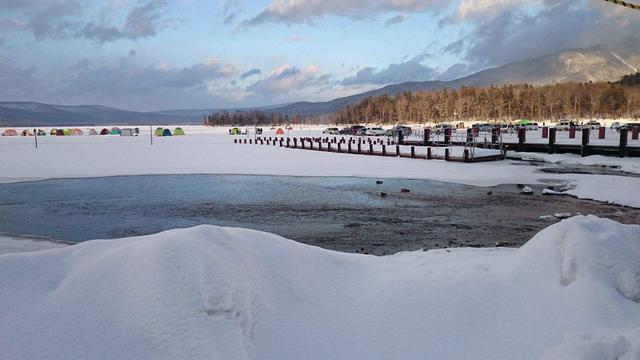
{"points": [[68, 132], [158, 132], [178, 131], [234, 131], [522, 122], [115, 131]]}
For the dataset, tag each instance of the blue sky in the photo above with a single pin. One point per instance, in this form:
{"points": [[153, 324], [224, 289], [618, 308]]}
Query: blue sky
{"points": [[158, 54]]}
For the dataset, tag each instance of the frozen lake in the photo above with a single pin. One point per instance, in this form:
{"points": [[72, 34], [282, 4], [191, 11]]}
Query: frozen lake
{"points": [[346, 214]]}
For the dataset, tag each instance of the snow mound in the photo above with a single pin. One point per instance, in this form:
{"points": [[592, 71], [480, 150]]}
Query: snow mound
{"points": [[208, 292]]}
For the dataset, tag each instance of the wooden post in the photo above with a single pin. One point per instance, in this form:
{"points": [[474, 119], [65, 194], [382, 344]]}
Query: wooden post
{"points": [[494, 134], [447, 136], [572, 132], [522, 138], [623, 142], [601, 132], [545, 132], [634, 133], [585, 142], [552, 140]]}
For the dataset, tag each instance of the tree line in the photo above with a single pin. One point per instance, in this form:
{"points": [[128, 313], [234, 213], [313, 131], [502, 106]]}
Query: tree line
{"points": [[500, 103], [249, 118]]}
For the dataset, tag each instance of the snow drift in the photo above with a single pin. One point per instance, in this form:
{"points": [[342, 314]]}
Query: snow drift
{"points": [[208, 292]]}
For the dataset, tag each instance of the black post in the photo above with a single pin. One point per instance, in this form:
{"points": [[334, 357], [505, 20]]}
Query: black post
{"points": [[384, 150], [522, 137], [447, 136], [552, 140], [371, 149], [427, 135], [494, 135], [359, 148], [151, 134], [585, 142], [35, 136], [413, 152], [398, 150], [469, 135], [623, 142]]}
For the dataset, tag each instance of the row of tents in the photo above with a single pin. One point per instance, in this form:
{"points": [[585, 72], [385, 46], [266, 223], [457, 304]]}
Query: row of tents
{"points": [[167, 132], [104, 131]]}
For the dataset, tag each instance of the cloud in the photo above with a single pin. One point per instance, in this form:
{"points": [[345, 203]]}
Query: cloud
{"points": [[62, 19], [285, 79], [295, 39], [505, 31], [309, 11], [17, 82], [397, 19], [410, 70], [142, 22], [249, 73]]}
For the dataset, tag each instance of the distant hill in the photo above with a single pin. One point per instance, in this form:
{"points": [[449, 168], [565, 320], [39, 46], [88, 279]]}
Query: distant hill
{"points": [[38, 114], [583, 65], [603, 63]]}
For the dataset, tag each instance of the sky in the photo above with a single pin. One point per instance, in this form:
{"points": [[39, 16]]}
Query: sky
{"points": [[159, 54]]}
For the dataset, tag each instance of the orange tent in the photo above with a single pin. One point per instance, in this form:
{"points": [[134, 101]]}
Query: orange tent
{"points": [[76, 132], [10, 132], [279, 131]]}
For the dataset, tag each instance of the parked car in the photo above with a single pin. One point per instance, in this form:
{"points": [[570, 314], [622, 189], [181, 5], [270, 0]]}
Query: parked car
{"points": [[564, 125], [532, 126], [345, 131], [406, 131], [482, 127], [331, 131], [615, 125], [362, 131], [375, 131], [440, 128], [593, 125], [628, 126], [355, 129]]}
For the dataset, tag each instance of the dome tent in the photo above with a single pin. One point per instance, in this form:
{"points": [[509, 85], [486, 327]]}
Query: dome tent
{"points": [[158, 132], [10, 132], [60, 132], [166, 132], [126, 132], [178, 131], [104, 132], [68, 132], [280, 131], [53, 132], [76, 132], [41, 132], [93, 132], [26, 133], [115, 131]]}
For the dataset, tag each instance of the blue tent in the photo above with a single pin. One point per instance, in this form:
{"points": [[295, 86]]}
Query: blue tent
{"points": [[166, 132]]}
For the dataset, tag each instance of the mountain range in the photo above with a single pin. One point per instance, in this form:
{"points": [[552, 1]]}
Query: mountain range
{"points": [[602, 63]]}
